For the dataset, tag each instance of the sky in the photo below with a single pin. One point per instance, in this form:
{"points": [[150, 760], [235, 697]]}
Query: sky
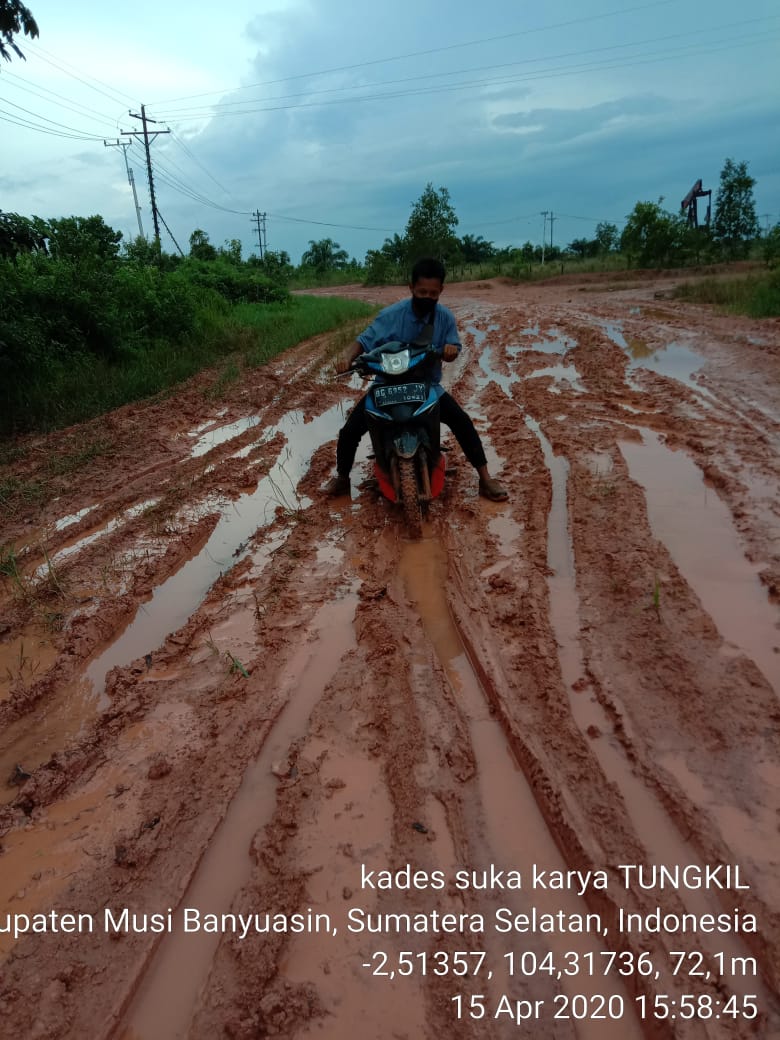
{"points": [[332, 117]]}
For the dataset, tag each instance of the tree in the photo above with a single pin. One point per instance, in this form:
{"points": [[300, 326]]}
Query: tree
{"points": [[20, 235], [476, 250], [394, 250], [275, 264], [735, 223], [231, 250], [325, 255], [430, 230], [583, 247], [14, 18], [654, 237], [771, 246], [606, 236], [83, 240], [200, 247]]}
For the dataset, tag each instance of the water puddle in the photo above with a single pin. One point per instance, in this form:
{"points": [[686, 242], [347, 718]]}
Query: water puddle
{"points": [[564, 374], [505, 795], [559, 343], [696, 528], [567, 375], [181, 962], [109, 527], [655, 829], [174, 601], [506, 530], [73, 518], [673, 360], [214, 437]]}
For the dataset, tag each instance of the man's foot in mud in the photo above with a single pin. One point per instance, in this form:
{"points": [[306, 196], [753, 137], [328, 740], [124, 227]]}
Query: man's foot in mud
{"points": [[336, 486], [490, 488]]}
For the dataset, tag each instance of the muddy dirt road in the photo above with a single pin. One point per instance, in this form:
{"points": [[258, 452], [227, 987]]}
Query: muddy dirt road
{"points": [[269, 769]]}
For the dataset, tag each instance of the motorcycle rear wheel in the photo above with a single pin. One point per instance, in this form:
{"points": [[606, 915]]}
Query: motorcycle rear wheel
{"points": [[410, 501]]}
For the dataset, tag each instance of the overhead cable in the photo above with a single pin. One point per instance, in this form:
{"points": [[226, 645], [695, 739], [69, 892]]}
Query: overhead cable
{"points": [[428, 51]]}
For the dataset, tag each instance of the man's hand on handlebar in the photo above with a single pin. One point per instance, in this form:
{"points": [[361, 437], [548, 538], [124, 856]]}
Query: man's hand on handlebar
{"points": [[449, 352], [341, 364]]}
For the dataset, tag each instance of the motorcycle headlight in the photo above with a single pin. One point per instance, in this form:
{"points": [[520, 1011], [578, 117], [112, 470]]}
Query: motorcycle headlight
{"points": [[395, 364]]}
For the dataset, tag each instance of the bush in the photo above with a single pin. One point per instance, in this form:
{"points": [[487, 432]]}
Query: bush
{"points": [[238, 284]]}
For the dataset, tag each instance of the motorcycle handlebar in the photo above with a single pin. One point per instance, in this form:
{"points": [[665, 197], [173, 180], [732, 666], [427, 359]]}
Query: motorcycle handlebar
{"points": [[359, 363]]}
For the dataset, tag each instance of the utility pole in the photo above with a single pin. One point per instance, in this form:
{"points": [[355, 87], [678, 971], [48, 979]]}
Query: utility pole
{"points": [[552, 221], [147, 141], [124, 145], [544, 232], [262, 244]]}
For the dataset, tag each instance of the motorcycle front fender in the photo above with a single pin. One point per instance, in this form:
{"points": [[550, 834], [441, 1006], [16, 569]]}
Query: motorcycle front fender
{"points": [[407, 444]]}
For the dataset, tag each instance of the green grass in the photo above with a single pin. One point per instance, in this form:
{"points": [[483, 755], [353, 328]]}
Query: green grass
{"points": [[310, 279], [756, 295], [275, 327], [76, 387]]}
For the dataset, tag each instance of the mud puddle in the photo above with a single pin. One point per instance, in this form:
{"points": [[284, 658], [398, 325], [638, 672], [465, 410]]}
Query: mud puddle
{"points": [[109, 527], [515, 830], [214, 438], [660, 837], [696, 527], [173, 602]]}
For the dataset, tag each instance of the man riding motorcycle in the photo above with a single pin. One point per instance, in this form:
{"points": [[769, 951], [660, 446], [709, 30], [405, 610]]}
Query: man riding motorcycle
{"points": [[405, 321]]}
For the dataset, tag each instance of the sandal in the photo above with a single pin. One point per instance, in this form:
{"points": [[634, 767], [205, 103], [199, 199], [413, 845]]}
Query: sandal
{"points": [[336, 486], [491, 489]]}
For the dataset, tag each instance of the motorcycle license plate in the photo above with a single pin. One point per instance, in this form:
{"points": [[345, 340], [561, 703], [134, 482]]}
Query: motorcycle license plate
{"points": [[401, 393]]}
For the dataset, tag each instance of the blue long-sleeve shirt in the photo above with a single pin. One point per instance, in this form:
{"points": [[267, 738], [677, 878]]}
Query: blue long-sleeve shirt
{"points": [[399, 322]]}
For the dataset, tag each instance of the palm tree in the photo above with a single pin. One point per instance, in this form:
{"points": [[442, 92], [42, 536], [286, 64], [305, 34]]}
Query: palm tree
{"points": [[325, 255]]}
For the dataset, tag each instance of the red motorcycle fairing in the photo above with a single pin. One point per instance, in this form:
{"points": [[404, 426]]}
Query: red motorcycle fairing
{"points": [[437, 478]]}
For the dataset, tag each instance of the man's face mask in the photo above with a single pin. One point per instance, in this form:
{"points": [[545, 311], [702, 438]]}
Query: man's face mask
{"points": [[423, 306]]}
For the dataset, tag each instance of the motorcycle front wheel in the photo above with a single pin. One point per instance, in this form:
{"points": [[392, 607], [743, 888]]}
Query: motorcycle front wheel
{"points": [[410, 500]]}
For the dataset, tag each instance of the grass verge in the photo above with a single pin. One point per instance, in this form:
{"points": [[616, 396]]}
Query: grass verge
{"points": [[76, 387], [758, 296]]}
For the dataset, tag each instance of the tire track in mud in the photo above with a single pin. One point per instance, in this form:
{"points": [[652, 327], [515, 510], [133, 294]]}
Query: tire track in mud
{"points": [[604, 674]]}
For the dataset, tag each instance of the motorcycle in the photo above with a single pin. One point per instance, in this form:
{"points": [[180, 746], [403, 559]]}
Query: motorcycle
{"points": [[403, 422]]}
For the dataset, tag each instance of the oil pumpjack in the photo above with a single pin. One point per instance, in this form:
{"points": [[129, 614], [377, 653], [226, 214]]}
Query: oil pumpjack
{"points": [[689, 203]]}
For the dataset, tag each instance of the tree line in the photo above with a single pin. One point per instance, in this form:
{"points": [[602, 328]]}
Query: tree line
{"points": [[652, 236]]}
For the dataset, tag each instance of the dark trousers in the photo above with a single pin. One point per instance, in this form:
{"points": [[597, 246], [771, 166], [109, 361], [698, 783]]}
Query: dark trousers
{"points": [[452, 415]]}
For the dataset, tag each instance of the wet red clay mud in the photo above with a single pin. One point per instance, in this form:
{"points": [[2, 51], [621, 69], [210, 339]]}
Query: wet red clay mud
{"points": [[221, 693]]}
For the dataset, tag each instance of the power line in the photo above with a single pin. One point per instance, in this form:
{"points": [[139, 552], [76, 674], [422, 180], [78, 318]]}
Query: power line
{"points": [[187, 151], [60, 126], [458, 72], [652, 58], [174, 182], [54, 98], [8, 117], [427, 52], [64, 66]]}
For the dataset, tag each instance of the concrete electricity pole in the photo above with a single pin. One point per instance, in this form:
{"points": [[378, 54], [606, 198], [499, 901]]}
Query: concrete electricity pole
{"points": [[147, 141], [124, 145], [544, 232], [262, 244], [552, 221]]}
